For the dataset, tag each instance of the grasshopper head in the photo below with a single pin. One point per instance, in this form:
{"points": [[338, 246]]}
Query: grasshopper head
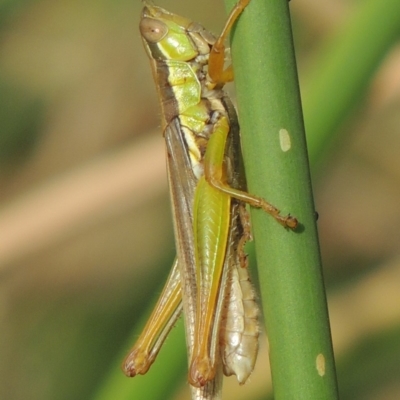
{"points": [[165, 35]]}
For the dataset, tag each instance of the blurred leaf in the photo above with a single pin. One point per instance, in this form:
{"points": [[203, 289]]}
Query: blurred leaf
{"points": [[20, 118], [9, 8], [372, 364], [159, 382], [343, 70]]}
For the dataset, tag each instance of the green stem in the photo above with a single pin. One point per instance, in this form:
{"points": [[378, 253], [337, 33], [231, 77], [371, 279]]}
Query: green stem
{"points": [[275, 156]]}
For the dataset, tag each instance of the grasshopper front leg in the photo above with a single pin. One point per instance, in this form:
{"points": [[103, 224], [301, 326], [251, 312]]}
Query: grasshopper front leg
{"points": [[216, 70]]}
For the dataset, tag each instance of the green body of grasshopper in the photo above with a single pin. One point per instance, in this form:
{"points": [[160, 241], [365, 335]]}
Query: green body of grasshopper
{"points": [[208, 196]]}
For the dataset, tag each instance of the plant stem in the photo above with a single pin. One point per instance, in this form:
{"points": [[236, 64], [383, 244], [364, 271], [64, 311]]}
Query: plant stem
{"points": [[276, 163]]}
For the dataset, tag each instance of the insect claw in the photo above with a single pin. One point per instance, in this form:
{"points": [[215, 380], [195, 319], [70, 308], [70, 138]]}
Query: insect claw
{"points": [[201, 371], [291, 222], [137, 362]]}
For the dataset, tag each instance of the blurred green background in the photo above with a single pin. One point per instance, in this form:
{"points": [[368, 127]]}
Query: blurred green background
{"points": [[85, 229]]}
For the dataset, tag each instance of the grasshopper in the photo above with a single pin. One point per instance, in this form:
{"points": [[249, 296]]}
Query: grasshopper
{"points": [[209, 279]]}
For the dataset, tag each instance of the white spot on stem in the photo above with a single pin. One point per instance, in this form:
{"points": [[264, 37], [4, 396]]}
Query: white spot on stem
{"points": [[320, 364], [284, 140]]}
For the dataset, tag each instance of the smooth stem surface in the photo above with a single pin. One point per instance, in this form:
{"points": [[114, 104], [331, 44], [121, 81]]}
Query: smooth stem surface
{"points": [[276, 164]]}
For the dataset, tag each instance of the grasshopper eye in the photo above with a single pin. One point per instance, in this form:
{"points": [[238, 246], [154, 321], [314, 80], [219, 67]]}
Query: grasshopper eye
{"points": [[152, 30]]}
